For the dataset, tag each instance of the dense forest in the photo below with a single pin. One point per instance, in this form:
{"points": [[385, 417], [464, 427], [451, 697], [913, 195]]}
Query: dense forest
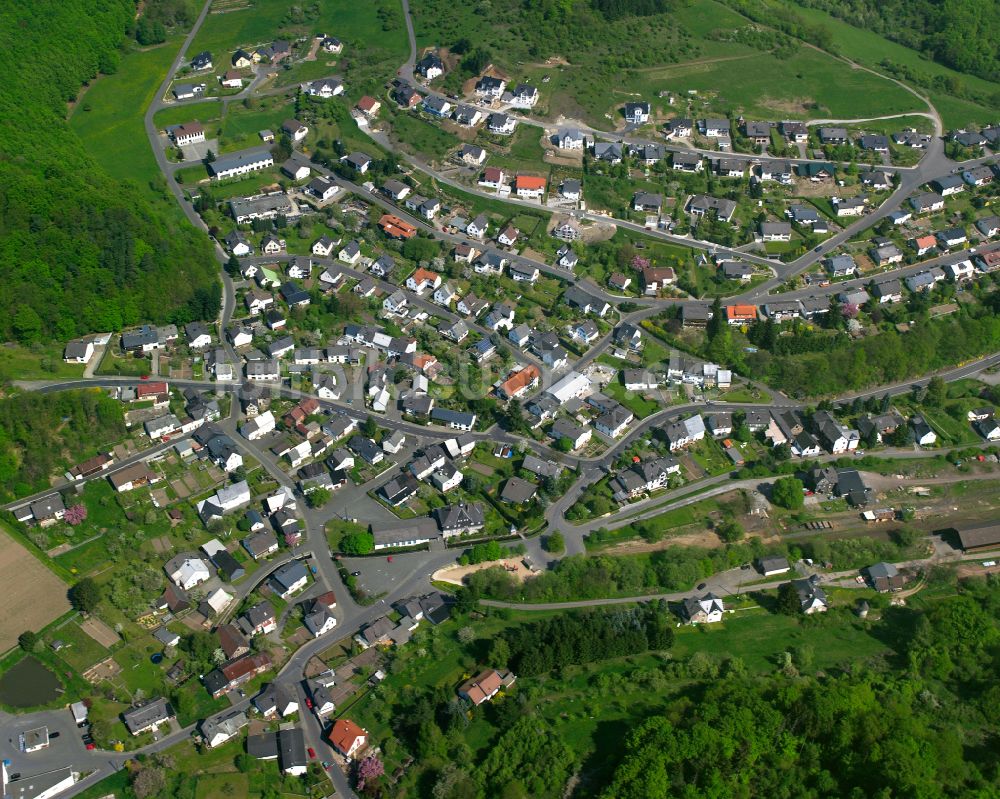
{"points": [[961, 34], [612, 703], [922, 724], [40, 432], [814, 363], [616, 9], [82, 252]]}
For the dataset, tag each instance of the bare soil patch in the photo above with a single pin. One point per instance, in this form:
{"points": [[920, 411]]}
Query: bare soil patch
{"points": [[796, 105], [456, 574], [482, 468], [107, 669], [100, 632], [35, 596], [161, 544]]}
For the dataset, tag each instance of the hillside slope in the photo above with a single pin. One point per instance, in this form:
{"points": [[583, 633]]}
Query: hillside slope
{"points": [[82, 252]]}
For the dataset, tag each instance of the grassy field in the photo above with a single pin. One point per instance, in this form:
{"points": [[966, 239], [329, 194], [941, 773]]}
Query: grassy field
{"points": [[108, 117], [241, 125], [421, 137], [179, 114], [39, 362], [694, 47], [222, 786], [810, 83], [869, 49], [758, 638]]}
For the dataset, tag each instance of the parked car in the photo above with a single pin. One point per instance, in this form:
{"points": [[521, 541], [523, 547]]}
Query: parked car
{"points": [[312, 753]]}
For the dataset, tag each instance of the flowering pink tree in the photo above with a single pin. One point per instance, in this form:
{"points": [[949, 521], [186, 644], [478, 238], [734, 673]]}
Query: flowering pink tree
{"points": [[849, 310], [369, 769], [75, 514], [639, 263]]}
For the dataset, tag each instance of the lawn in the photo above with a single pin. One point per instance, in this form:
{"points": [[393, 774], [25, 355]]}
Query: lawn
{"points": [[241, 126], [185, 112], [758, 638], [37, 362], [109, 115], [114, 363], [222, 786], [81, 651], [632, 400], [745, 395], [519, 152], [870, 49], [421, 137]]}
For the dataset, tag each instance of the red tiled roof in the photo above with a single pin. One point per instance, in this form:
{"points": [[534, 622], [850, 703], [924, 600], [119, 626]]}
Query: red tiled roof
{"points": [[344, 733], [520, 380], [741, 311], [396, 227], [150, 389], [529, 182]]}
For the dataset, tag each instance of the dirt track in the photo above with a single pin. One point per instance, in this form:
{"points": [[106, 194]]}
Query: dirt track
{"points": [[35, 596]]}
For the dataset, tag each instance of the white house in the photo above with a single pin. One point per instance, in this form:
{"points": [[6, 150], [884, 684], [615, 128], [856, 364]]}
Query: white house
{"points": [[187, 571], [259, 426], [706, 610]]}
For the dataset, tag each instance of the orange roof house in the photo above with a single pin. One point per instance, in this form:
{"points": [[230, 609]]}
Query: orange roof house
{"points": [[369, 105], [347, 737], [529, 183], [519, 382], [396, 228], [483, 687], [738, 314], [423, 278], [924, 243]]}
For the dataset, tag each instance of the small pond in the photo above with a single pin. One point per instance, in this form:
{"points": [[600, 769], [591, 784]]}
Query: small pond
{"points": [[28, 683]]}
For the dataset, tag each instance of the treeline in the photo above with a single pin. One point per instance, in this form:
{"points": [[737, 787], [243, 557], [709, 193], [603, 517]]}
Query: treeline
{"points": [[575, 639], [913, 725], [40, 432], [785, 20], [616, 9], [595, 577], [961, 34], [82, 252], [889, 357], [816, 363], [160, 15]]}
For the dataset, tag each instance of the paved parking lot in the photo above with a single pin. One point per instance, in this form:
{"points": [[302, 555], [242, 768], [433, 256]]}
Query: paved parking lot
{"points": [[379, 574]]}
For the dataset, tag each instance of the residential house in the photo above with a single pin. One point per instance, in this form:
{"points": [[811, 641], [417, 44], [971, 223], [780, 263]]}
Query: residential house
{"points": [[637, 113], [812, 598], [485, 685], [529, 187], [149, 716], [347, 737], [704, 610], [490, 87], [430, 66], [500, 124]]}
